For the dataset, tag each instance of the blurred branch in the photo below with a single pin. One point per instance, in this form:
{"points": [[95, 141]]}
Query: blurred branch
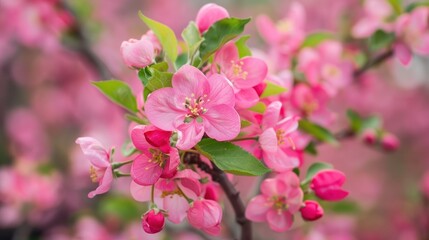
{"points": [[373, 62], [83, 45], [232, 194]]}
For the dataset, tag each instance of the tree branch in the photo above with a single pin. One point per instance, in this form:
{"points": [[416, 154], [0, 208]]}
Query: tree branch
{"points": [[373, 62], [232, 194], [83, 45]]}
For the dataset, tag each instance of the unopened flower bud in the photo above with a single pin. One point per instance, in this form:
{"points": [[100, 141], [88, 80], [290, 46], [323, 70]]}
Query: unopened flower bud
{"points": [[209, 14], [153, 221], [369, 137], [311, 211], [389, 142], [137, 53], [327, 185]]}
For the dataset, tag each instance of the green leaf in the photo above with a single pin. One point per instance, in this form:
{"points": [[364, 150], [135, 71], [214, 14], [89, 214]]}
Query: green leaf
{"points": [[144, 75], [118, 92], [159, 80], [272, 89], [161, 66], [124, 208], [314, 39], [165, 35], [380, 39], [415, 5], [259, 107], [128, 149], [358, 124], [220, 33], [396, 5], [345, 207], [181, 60], [243, 49], [192, 38], [317, 131], [311, 149], [231, 158], [314, 169]]}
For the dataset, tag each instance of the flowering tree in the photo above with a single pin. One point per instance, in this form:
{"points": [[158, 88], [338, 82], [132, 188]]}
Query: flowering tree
{"points": [[207, 110], [210, 109]]}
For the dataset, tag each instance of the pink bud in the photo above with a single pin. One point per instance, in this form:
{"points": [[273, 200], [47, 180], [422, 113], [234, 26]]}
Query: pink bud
{"points": [[327, 185], [389, 142], [205, 215], [311, 211], [209, 14], [369, 137], [137, 53], [260, 88], [153, 222], [211, 192]]}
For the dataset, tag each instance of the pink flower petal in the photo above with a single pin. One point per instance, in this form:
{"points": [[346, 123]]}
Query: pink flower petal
{"points": [[140, 193], [257, 209], [403, 53], [279, 221], [327, 185], [105, 183], [268, 140], [273, 187], [271, 115], [226, 55], [267, 29], [145, 171], [279, 161], [189, 135], [221, 122], [221, 91], [209, 14], [246, 98], [176, 207], [189, 80], [288, 124], [94, 151], [162, 109], [138, 138], [159, 138], [256, 72]]}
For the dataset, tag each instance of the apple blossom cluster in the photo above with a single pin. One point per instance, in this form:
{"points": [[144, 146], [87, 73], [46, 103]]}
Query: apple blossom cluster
{"points": [[213, 104]]}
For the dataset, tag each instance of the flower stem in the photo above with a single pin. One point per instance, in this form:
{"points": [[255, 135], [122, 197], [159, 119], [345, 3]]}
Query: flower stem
{"points": [[117, 165], [121, 174]]}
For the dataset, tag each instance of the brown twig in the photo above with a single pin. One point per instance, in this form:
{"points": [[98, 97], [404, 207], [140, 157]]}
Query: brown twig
{"points": [[83, 45], [373, 62], [231, 192]]}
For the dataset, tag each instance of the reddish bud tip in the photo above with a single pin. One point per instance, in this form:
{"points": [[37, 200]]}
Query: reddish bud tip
{"points": [[311, 211], [153, 221]]}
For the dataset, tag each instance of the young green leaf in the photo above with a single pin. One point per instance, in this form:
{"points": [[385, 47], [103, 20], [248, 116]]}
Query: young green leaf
{"points": [[314, 39], [158, 80], [192, 37], [381, 39], [272, 89], [231, 158], [314, 169], [259, 107], [243, 49], [220, 33], [396, 5], [358, 124], [118, 92], [165, 35], [317, 131]]}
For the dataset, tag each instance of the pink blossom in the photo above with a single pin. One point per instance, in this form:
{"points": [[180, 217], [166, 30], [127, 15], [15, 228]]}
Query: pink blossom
{"points": [[281, 198], [376, 15], [327, 185], [209, 14], [325, 67], [243, 73], [193, 106], [205, 215], [311, 102], [287, 35], [152, 38], [412, 31], [153, 221], [311, 211], [137, 53], [389, 142], [101, 168], [167, 195], [369, 136], [275, 140], [152, 164]]}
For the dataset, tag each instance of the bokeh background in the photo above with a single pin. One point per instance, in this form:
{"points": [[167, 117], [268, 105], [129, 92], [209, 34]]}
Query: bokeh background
{"points": [[47, 101]]}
